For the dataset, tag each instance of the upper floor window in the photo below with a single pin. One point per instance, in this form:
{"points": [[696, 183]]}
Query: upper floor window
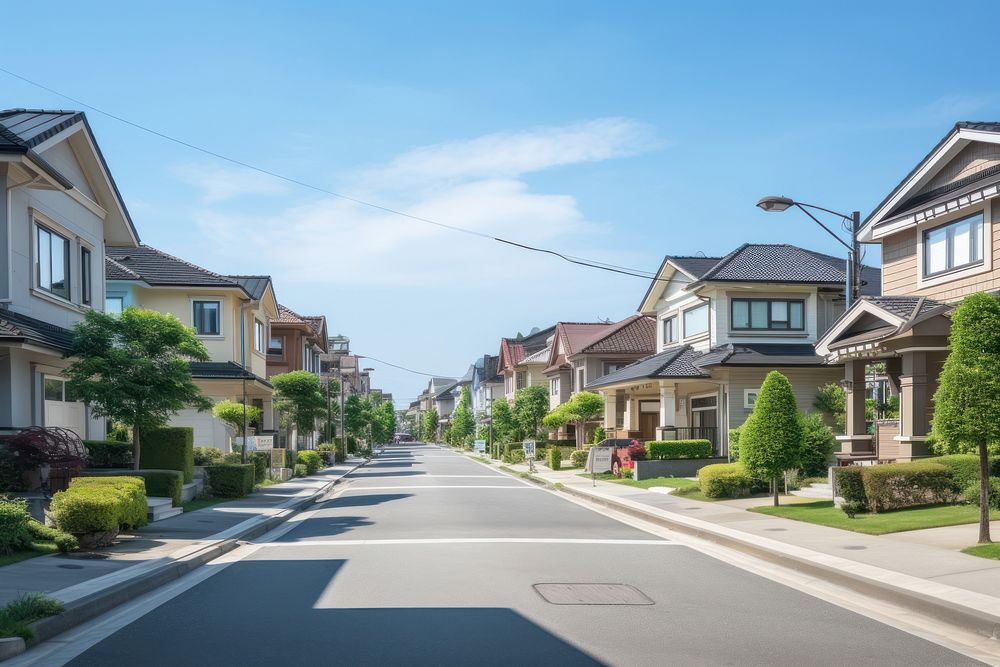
{"points": [[258, 336], [52, 262], [768, 314], [207, 318], [85, 287], [113, 305], [611, 367], [581, 378], [522, 380], [277, 345], [554, 386], [696, 320], [953, 246], [670, 330]]}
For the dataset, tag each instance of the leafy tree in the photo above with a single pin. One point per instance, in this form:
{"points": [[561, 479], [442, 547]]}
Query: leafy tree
{"points": [[355, 420], [771, 438], [818, 443], [134, 369], [463, 421], [236, 415], [300, 398], [966, 409], [583, 407], [428, 430], [505, 426], [831, 400], [530, 406]]}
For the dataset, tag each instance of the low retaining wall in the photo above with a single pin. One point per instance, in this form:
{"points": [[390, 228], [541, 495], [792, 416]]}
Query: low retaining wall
{"points": [[673, 467]]}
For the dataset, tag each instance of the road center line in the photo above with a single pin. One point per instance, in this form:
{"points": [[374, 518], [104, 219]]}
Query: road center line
{"points": [[469, 540]]}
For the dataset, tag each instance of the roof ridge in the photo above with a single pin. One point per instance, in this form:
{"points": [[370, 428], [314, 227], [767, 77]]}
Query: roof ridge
{"points": [[108, 258], [187, 263], [722, 262], [615, 328]]}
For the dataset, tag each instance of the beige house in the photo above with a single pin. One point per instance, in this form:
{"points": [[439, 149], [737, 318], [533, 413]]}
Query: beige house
{"points": [[723, 323], [939, 244], [230, 314], [523, 360]]}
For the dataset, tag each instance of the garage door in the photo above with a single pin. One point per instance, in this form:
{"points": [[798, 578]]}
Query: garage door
{"points": [[60, 410]]}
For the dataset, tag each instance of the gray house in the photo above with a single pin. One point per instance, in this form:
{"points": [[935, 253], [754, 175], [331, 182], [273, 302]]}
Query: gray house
{"points": [[62, 209]]}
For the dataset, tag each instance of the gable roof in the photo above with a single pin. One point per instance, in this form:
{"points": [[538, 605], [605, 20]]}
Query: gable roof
{"points": [[770, 355], [893, 315], [674, 362], [513, 351], [775, 262], [255, 286], [18, 327], [223, 370], [287, 316], [159, 269], [635, 334], [115, 271], [569, 338], [24, 130]]}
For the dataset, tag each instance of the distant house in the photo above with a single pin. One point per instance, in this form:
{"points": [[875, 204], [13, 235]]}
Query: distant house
{"points": [[296, 343], [487, 384], [62, 209], [722, 323], [523, 360], [231, 315]]}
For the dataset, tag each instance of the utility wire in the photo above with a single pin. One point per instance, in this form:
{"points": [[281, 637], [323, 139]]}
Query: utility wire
{"points": [[594, 264], [402, 368]]}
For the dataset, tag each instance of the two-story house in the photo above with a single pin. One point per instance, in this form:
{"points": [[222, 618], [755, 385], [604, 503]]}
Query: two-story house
{"points": [[487, 384], [721, 325], [61, 209], [296, 343], [523, 360], [230, 314], [940, 235]]}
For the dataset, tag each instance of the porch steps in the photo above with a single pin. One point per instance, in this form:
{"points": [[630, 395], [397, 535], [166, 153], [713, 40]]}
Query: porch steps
{"points": [[818, 491], [161, 508]]}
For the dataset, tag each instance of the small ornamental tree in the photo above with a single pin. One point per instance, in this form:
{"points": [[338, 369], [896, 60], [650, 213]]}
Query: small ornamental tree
{"points": [[300, 398], [135, 369], [463, 421], [771, 438], [428, 430], [583, 407], [530, 406], [505, 427], [966, 405], [237, 415]]}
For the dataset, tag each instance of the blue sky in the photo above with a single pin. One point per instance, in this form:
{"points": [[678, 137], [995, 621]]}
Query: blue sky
{"points": [[616, 131]]}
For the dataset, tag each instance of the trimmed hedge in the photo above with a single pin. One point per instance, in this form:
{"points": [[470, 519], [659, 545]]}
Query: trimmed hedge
{"points": [[851, 484], [311, 460], [665, 450], [299, 470], [87, 509], [553, 458], [109, 453], [896, 485], [131, 490], [230, 480], [971, 493], [579, 457], [169, 448], [964, 467], [14, 522], [207, 456], [724, 480], [261, 461], [159, 483], [63, 541]]}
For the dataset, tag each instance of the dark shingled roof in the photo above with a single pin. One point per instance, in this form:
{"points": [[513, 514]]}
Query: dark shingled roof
{"points": [[760, 262], [253, 285], [695, 266], [761, 354], [490, 365], [157, 268], [633, 335], [15, 326], [903, 306], [675, 362], [223, 370], [115, 271]]}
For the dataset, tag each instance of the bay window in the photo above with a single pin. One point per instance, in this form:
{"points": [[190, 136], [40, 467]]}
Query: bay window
{"points": [[768, 314], [696, 320], [953, 246]]}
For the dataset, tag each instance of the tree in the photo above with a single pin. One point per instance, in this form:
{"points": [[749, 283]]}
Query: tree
{"points": [[428, 430], [355, 420], [583, 407], [771, 438], [966, 409], [463, 421], [818, 443], [505, 427], [530, 406], [300, 399], [237, 415], [134, 369]]}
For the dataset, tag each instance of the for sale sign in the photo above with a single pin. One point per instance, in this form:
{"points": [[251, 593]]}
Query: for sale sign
{"points": [[529, 449], [599, 460]]}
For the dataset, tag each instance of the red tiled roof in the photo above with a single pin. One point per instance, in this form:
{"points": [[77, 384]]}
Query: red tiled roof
{"points": [[633, 335], [288, 316], [572, 336]]}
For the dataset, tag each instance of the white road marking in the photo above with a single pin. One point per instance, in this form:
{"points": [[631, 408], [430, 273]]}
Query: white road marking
{"points": [[469, 540], [440, 486]]}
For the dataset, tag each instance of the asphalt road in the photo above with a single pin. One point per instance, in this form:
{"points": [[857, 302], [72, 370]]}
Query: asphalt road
{"points": [[429, 558]]}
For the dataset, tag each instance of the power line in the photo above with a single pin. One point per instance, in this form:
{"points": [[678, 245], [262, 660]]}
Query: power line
{"points": [[402, 368], [594, 264]]}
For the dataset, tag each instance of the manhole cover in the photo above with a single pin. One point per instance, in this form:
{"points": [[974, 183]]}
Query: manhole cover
{"points": [[610, 594], [692, 508], [855, 547], [776, 530], [71, 566]]}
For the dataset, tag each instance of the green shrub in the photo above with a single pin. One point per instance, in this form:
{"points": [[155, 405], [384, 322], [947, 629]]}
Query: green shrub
{"points": [[850, 484], [230, 480], [663, 450], [724, 480], [818, 444], [553, 458], [512, 455], [131, 490], [579, 457], [109, 453], [169, 448], [851, 508], [207, 456], [232, 457], [87, 509], [159, 483], [300, 470], [14, 525], [895, 485], [63, 541], [599, 434], [734, 444], [17, 615], [964, 468], [261, 462], [311, 460], [971, 493], [11, 475]]}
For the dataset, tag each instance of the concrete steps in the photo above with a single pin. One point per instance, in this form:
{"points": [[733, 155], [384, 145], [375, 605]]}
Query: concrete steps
{"points": [[817, 491], [161, 508]]}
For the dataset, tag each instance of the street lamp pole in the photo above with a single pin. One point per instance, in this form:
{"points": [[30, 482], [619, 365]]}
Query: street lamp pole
{"points": [[853, 292]]}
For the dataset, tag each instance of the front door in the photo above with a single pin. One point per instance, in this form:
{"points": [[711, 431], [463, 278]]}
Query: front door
{"points": [[648, 421]]}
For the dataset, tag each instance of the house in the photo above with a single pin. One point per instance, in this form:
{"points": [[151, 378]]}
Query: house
{"points": [[722, 323], [523, 360], [296, 343], [231, 315], [62, 209], [582, 352], [487, 384], [939, 243]]}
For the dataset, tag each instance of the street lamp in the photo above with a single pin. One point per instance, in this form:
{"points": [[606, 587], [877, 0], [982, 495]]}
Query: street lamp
{"points": [[778, 204]]}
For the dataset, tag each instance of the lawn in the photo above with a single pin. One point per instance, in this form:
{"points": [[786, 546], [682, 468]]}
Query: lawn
{"points": [[825, 514], [984, 551], [203, 502], [39, 549]]}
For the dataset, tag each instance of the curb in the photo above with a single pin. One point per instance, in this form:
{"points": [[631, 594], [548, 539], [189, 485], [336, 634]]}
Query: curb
{"points": [[86, 607]]}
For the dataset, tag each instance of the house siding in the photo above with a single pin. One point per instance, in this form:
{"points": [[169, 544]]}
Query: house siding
{"points": [[805, 383]]}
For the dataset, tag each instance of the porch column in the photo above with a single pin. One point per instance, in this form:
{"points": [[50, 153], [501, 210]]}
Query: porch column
{"points": [[610, 412], [893, 369], [856, 440], [914, 406], [668, 407], [267, 420]]}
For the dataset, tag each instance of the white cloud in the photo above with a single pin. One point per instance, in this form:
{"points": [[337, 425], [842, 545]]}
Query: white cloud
{"points": [[219, 184]]}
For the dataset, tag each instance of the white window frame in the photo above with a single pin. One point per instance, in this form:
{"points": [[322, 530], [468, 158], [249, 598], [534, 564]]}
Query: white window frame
{"points": [[116, 297], [222, 325], [553, 386], [281, 347], [673, 327], [708, 320], [40, 222], [747, 394], [520, 380], [956, 274], [259, 335]]}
